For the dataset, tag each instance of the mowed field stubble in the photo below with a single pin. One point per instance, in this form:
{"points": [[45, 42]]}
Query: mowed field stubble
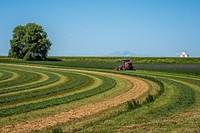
{"points": [[86, 94]]}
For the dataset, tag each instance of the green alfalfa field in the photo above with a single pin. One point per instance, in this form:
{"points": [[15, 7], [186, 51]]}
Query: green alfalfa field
{"points": [[32, 91]]}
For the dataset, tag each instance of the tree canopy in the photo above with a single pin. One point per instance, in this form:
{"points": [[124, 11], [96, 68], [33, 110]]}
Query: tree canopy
{"points": [[29, 42]]}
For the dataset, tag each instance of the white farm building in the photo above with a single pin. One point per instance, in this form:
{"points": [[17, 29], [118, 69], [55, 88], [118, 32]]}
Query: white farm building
{"points": [[184, 54]]}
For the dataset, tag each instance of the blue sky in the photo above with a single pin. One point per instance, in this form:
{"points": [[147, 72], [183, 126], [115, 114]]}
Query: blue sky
{"points": [[101, 27]]}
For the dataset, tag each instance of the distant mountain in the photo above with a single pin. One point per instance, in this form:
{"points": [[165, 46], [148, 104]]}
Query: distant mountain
{"points": [[124, 53]]}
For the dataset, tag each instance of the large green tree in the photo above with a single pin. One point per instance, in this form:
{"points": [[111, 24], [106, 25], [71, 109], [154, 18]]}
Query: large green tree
{"points": [[29, 42]]}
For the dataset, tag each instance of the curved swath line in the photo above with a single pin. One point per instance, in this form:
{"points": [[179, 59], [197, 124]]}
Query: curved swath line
{"points": [[23, 77], [183, 95], [176, 81], [40, 78], [92, 84], [5, 75], [117, 90], [52, 82], [138, 89], [180, 78], [180, 100], [108, 84], [15, 76], [49, 79], [62, 79], [36, 124], [46, 91], [91, 81], [32, 90], [162, 74]]}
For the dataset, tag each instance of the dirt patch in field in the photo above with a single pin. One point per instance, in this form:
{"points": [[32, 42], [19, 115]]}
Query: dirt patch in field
{"points": [[139, 88]]}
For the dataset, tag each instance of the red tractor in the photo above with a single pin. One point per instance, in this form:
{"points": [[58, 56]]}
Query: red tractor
{"points": [[127, 65]]}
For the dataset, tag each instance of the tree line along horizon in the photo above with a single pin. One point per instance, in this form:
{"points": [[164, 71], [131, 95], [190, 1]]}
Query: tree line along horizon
{"points": [[29, 42]]}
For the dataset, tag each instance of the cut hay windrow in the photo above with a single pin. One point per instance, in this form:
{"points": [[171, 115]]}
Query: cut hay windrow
{"points": [[5, 75], [184, 95], [121, 87], [175, 105], [108, 83], [180, 95], [77, 80], [91, 83], [44, 78], [27, 93], [139, 87], [12, 76], [19, 77]]}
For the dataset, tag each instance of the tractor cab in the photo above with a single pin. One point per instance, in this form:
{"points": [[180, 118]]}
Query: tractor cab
{"points": [[126, 65]]}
